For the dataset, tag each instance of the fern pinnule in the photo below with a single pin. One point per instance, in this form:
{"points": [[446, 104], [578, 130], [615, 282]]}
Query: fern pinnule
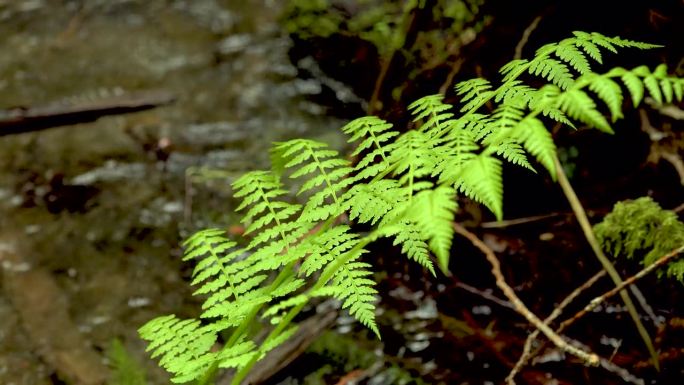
{"points": [[433, 211], [413, 242], [481, 180], [326, 247], [578, 105], [473, 92], [436, 112], [607, 90], [370, 202], [375, 135], [538, 141], [567, 50], [351, 285], [412, 159], [327, 175], [184, 346]]}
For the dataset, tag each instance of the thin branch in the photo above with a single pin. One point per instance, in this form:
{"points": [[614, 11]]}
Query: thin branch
{"points": [[526, 36], [629, 281], [518, 221], [619, 371], [588, 357], [557, 311], [455, 68], [583, 220], [484, 294]]}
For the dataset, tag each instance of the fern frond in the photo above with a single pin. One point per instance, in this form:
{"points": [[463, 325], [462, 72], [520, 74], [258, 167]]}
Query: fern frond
{"points": [[513, 69], [608, 91], [413, 159], [459, 147], [474, 92], [580, 106], [568, 52], [184, 346], [553, 71], [352, 286], [481, 180], [412, 240], [538, 141], [433, 211], [374, 134], [515, 93], [326, 173], [432, 108], [326, 247], [370, 202]]}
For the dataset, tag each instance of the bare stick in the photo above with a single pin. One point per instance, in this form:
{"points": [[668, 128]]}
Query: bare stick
{"points": [[583, 220], [526, 36], [557, 311], [588, 357], [484, 295], [629, 281]]}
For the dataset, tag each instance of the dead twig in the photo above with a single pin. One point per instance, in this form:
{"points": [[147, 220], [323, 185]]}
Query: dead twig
{"points": [[518, 221], [588, 357], [629, 281], [526, 36], [484, 294], [557, 311], [584, 223]]}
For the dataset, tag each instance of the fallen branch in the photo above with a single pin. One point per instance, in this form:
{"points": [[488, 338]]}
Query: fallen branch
{"points": [[629, 281], [20, 120], [588, 357], [608, 266], [557, 311]]}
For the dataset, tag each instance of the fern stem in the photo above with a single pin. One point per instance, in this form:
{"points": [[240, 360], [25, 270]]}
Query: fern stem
{"points": [[583, 220], [325, 174], [327, 275]]}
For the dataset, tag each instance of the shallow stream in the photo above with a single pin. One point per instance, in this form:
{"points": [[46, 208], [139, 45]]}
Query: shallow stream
{"points": [[101, 206]]}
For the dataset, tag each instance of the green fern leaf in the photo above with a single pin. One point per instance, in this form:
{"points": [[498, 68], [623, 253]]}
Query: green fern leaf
{"points": [[183, 345], [412, 159], [538, 141], [432, 108], [634, 86], [412, 240], [580, 106], [513, 69], [374, 134], [369, 203], [590, 49], [473, 93], [608, 91], [433, 211], [653, 88], [568, 52], [326, 247], [553, 71], [352, 286], [481, 180]]}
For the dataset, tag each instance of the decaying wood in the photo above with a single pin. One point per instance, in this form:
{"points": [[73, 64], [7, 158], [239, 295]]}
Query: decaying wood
{"points": [[43, 311], [20, 120]]}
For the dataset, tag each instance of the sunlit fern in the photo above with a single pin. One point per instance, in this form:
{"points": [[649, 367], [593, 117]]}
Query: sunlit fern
{"points": [[403, 186]]}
